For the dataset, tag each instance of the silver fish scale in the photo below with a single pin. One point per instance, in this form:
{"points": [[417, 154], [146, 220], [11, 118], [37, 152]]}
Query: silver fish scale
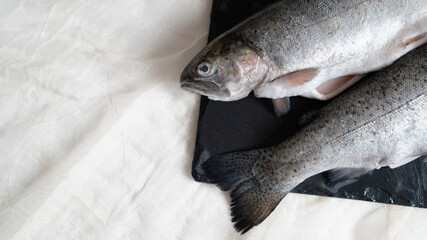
{"points": [[381, 122], [290, 30]]}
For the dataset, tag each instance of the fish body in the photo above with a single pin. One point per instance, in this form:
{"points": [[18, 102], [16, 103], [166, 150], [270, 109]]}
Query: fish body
{"points": [[380, 122], [314, 48]]}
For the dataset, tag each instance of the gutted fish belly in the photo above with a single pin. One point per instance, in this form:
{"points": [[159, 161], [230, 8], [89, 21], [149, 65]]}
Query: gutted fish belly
{"points": [[315, 48], [380, 122]]}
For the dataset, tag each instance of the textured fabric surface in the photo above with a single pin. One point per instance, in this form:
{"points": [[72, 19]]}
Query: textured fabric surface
{"points": [[97, 138]]}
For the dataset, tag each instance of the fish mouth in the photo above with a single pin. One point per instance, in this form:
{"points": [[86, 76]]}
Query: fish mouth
{"points": [[205, 88]]}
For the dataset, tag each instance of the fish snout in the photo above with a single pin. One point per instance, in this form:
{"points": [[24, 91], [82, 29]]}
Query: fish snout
{"points": [[211, 82], [183, 80], [206, 87]]}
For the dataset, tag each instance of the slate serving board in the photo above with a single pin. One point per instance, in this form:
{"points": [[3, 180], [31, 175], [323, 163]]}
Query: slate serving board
{"points": [[250, 123]]}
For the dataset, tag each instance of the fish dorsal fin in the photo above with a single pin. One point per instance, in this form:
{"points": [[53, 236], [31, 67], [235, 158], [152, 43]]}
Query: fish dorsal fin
{"points": [[295, 79], [338, 175], [308, 117]]}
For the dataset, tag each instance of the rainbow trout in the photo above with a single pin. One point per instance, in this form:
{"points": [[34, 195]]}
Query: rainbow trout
{"points": [[380, 122], [314, 48]]}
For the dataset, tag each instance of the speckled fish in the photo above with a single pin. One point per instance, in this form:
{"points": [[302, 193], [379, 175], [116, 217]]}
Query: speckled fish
{"points": [[314, 48], [380, 122]]}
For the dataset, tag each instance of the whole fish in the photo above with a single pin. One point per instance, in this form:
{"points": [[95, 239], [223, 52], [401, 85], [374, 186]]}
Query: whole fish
{"points": [[313, 48], [381, 122]]}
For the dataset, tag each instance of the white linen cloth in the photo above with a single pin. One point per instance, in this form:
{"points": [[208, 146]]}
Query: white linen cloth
{"points": [[97, 138]]}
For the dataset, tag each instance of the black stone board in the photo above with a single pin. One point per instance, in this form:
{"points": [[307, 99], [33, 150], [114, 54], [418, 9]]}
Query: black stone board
{"points": [[250, 123]]}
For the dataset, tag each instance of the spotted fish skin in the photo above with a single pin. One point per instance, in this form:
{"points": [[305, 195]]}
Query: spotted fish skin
{"points": [[314, 48], [380, 122]]}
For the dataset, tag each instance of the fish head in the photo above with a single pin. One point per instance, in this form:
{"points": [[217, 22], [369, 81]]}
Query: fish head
{"points": [[227, 69]]}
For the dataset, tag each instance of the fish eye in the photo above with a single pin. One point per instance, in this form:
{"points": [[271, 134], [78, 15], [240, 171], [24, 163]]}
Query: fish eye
{"points": [[205, 69]]}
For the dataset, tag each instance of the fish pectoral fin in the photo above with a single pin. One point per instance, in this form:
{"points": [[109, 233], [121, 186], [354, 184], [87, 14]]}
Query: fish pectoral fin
{"points": [[294, 79], [251, 203], [281, 106], [337, 175], [335, 86], [279, 86]]}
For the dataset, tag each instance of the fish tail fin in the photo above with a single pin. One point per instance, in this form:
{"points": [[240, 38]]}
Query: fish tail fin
{"points": [[251, 201]]}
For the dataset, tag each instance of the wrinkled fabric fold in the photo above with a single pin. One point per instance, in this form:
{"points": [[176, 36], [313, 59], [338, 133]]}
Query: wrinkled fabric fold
{"points": [[97, 138]]}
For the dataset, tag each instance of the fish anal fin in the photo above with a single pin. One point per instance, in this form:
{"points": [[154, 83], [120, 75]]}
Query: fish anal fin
{"points": [[281, 106], [251, 202], [296, 78], [335, 86], [337, 175], [401, 162]]}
